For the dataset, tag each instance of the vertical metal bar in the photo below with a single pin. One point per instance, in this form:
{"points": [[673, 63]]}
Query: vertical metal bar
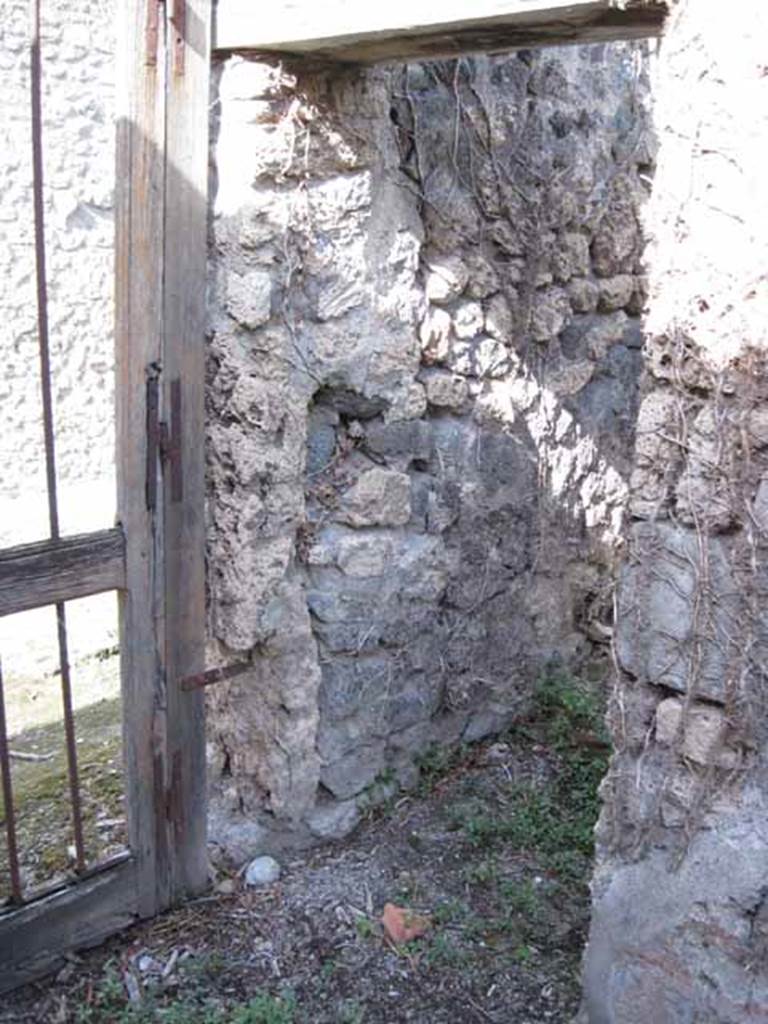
{"points": [[10, 819], [45, 385]]}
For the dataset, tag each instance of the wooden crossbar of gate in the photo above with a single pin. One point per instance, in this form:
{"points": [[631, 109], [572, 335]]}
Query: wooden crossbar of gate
{"points": [[154, 558]]}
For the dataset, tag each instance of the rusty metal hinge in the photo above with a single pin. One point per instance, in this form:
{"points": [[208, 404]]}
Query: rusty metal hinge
{"points": [[163, 442], [214, 675]]}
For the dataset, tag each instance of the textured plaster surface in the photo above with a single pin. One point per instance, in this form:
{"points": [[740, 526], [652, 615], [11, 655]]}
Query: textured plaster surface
{"points": [[78, 49]]}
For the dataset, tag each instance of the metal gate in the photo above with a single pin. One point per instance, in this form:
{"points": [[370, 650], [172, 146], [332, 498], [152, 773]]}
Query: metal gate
{"points": [[154, 557]]}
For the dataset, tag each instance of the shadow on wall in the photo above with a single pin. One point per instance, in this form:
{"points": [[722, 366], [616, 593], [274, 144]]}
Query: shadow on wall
{"points": [[423, 384]]}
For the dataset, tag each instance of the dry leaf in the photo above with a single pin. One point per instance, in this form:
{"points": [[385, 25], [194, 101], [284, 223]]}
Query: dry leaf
{"points": [[402, 925]]}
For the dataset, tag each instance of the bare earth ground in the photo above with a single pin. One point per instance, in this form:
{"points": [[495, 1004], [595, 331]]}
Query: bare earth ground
{"points": [[493, 849], [39, 772]]}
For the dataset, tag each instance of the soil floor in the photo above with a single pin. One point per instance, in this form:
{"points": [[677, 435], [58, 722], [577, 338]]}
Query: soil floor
{"points": [[489, 858]]}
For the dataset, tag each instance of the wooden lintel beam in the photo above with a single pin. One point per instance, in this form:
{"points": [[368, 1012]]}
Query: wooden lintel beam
{"points": [[34, 575], [337, 30]]}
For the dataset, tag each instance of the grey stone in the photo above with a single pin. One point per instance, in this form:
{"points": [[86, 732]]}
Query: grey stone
{"points": [[262, 871], [435, 335], [616, 292], [583, 296], [499, 321], [549, 315], [249, 298], [351, 774], [664, 612], [468, 320], [380, 497], [446, 391], [446, 278], [649, 921], [332, 822]]}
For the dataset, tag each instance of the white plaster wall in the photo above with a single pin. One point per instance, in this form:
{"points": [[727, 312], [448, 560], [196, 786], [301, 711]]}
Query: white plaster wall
{"points": [[78, 101], [78, 48]]}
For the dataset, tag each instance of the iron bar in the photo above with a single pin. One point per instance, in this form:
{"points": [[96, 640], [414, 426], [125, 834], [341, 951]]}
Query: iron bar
{"points": [[10, 820], [48, 428], [214, 675]]}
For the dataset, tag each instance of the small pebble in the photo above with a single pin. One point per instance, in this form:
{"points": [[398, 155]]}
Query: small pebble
{"points": [[262, 871]]}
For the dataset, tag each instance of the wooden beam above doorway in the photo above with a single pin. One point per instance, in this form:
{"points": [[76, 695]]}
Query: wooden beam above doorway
{"points": [[354, 32]]}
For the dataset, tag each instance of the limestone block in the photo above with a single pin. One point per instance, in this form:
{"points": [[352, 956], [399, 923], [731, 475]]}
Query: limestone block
{"points": [[583, 295], [485, 357], [575, 245], [334, 821], [655, 454], [615, 292], [668, 716], [468, 320], [639, 299], [408, 403], [499, 322], [550, 314], [757, 426], [705, 495], [364, 556], [760, 505], [351, 774], [606, 331], [705, 730], [570, 377], [435, 335], [380, 497], [339, 298], [676, 598], [615, 243], [446, 391], [249, 298], [483, 279], [447, 278], [490, 358]]}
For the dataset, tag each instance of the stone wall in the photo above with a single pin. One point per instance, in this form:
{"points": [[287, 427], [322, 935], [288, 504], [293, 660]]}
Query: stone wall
{"points": [[680, 923], [425, 344]]}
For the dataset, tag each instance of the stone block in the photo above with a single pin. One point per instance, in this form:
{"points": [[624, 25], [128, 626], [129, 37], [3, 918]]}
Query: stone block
{"points": [[575, 245], [615, 292], [354, 772], [583, 296], [333, 821], [499, 322], [677, 598], [380, 497], [570, 377], [604, 332], [550, 314], [435, 335], [757, 426], [668, 716], [446, 279], [249, 298], [704, 733], [468, 320], [446, 391], [370, 555]]}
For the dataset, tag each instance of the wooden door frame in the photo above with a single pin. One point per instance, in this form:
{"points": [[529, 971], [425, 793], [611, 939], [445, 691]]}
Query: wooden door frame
{"points": [[160, 273], [154, 558]]}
